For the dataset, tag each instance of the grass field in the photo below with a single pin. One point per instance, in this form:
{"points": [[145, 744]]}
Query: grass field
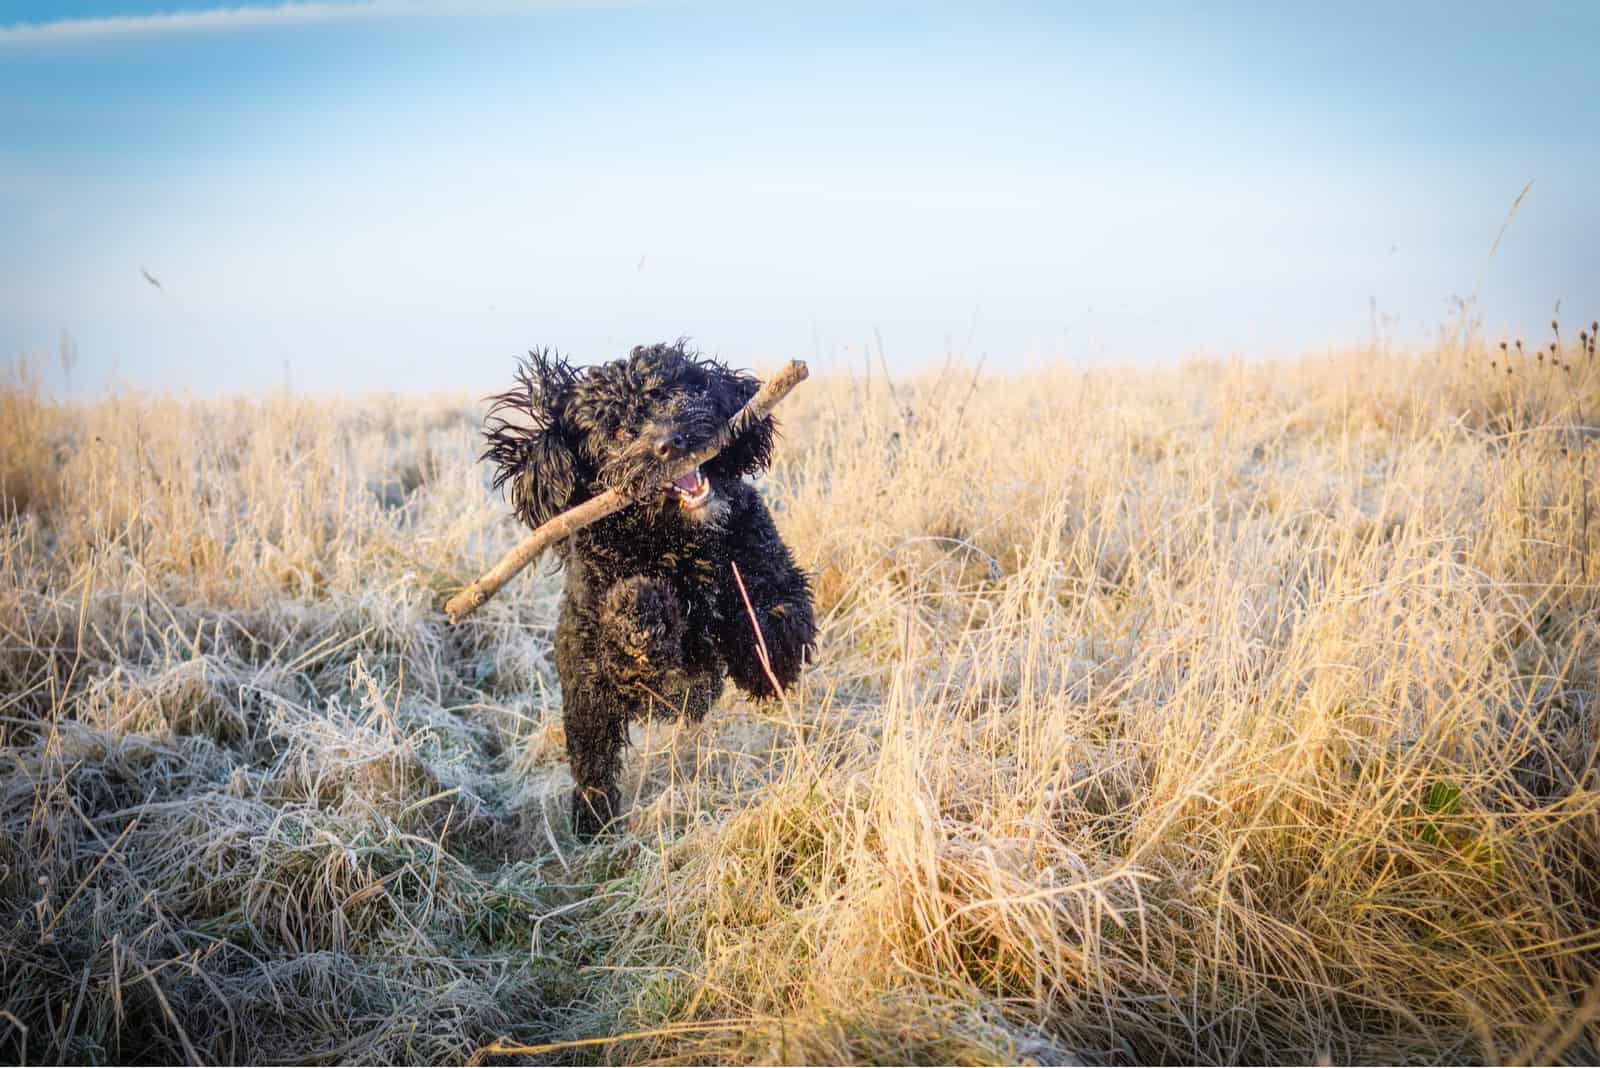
{"points": [[1230, 712]]}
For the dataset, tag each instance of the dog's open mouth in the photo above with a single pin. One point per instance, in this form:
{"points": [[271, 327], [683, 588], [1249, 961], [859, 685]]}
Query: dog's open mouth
{"points": [[693, 489]]}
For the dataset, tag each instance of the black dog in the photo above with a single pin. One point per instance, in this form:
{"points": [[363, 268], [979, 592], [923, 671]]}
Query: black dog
{"points": [[652, 620]]}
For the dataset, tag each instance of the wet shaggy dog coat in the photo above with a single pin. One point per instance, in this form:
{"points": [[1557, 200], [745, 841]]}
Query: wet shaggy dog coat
{"points": [[652, 621]]}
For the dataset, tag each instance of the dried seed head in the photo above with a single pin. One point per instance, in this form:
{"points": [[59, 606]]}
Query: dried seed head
{"points": [[1519, 344], [1502, 346]]}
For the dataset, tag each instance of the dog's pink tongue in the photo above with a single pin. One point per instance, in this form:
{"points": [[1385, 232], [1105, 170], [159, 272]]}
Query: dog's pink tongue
{"points": [[689, 481]]}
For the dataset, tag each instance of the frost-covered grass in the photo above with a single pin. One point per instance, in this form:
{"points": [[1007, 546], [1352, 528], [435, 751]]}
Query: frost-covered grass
{"points": [[1219, 713]]}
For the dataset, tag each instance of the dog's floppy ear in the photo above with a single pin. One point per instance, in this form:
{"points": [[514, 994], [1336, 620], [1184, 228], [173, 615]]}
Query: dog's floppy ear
{"points": [[534, 453], [730, 390]]}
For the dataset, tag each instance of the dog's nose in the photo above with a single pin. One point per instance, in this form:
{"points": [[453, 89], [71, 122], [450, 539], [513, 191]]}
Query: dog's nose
{"points": [[667, 444]]}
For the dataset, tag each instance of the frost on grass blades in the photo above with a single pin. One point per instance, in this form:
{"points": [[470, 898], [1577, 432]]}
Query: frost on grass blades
{"points": [[1225, 713]]}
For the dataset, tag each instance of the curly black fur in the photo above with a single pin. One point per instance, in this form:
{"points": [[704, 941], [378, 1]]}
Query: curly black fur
{"points": [[652, 621]]}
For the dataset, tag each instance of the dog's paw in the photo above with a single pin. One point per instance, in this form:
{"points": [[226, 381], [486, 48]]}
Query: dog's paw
{"points": [[593, 809], [643, 623]]}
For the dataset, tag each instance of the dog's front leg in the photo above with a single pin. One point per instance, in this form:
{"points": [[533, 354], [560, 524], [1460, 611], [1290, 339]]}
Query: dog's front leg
{"points": [[641, 631], [780, 597], [595, 719], [638, 643]]}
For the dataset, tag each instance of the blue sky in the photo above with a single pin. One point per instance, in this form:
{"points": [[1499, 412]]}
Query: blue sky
{"points": [[397, 195]]}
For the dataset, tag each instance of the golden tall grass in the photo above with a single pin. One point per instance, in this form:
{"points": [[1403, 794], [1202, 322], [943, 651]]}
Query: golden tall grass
{"points": [[1222, 713]]}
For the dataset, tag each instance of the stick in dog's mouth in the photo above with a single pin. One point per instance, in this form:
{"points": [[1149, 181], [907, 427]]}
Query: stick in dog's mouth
{"points": [[472, 596], [693, 489]]}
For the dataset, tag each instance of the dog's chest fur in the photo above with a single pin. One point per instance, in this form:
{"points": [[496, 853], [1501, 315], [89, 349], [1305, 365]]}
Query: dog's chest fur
{"points": [[693, 559]]}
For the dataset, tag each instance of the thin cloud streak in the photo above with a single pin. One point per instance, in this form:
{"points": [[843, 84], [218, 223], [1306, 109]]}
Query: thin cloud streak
{"points": [[232, 19]]}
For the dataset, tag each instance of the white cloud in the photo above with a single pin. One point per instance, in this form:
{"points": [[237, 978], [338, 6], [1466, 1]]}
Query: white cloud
{"points": [[64, 31]]}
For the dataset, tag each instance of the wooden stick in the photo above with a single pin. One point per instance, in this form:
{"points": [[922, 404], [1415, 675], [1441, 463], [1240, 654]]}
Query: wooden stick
{"points": [[527, 551]]}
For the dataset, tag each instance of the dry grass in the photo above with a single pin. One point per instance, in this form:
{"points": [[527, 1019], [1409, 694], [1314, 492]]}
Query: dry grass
{"points": [[1222, 713]]}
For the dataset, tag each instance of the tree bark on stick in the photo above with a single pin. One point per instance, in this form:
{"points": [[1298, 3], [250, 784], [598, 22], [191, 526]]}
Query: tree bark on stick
{"points": [[527, 551]]}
